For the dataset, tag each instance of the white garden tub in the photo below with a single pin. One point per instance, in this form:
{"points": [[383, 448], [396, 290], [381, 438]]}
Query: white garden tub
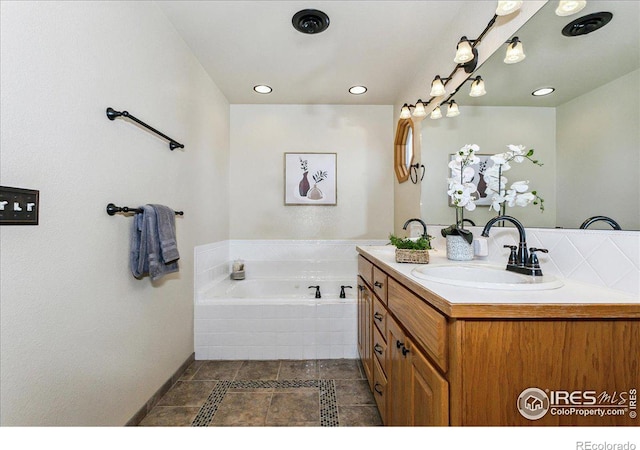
{"points": [[273, 314]]}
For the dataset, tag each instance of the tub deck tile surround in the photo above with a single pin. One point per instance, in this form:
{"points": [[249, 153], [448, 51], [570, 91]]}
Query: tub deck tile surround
{"points": [[268, 393]]}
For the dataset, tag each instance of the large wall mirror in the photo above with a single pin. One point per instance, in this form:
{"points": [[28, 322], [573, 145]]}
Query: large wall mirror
{"points": [[586, 134]]}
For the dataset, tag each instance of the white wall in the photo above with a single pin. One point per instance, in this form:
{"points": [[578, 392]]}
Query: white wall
{"points": [[599, 142], [491, 128], [362, 137], [83, 342]]}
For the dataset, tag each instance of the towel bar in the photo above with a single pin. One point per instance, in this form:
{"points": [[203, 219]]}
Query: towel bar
{"points": [[113, 209], [112, 114]]}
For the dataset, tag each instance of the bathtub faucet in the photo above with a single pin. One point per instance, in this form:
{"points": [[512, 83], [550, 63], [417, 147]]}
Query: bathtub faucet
{"points": [[317, 288], [342, 293]]}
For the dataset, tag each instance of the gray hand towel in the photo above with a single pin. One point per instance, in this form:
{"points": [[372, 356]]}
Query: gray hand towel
{"points": [[146, 249], [166, 222]]}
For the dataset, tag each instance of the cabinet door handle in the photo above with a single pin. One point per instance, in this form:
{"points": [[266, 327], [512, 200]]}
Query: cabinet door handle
{"points": [[405, 350], [361, 287], [378, 388], [378, 316], [399, 344], [377, 284], [378, 349]]}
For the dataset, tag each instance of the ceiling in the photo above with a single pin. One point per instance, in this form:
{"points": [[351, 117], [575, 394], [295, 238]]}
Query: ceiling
{"points": [[374, 43], [572, 65]]}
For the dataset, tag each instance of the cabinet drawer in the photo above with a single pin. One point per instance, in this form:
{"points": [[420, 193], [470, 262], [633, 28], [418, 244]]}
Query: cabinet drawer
{"points": [[427, 326], [365, 269], [380, 349], [380, 390], [380, 316], [380, 284]]}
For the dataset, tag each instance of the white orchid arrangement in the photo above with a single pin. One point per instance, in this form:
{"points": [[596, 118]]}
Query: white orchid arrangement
{"points": [[518, 193], [462, 190]]}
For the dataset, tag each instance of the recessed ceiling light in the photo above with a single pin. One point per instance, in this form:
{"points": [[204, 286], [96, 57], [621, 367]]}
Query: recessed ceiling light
{"points": [[358, 90], [542, 91], [262, 89]]}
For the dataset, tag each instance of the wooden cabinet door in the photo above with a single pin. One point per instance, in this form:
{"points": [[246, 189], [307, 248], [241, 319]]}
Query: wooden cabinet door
{"points": [[365, 332], [397, 376], [428, 391], [417, 395]]}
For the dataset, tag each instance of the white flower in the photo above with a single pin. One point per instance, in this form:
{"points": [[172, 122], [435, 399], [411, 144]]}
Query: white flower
{"points": [[520, 186], [525, 199]]}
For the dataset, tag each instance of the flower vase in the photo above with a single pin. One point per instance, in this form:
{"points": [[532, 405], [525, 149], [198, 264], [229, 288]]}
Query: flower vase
{"points": [[315, 193], [304, 186], [458, 249]]}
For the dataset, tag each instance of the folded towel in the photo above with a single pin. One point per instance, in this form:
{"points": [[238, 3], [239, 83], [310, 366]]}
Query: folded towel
{"points": [[146, 255], [166, 222]]}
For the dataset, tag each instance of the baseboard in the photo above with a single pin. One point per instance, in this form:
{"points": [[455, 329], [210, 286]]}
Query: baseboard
{"points": [[155, 398]]}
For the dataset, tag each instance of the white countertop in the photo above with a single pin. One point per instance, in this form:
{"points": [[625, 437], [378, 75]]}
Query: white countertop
{"points": [[571, 293]]}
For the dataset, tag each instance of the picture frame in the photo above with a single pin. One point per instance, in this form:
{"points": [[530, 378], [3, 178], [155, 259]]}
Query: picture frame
{"points": [[478, 180], [310, 179]]}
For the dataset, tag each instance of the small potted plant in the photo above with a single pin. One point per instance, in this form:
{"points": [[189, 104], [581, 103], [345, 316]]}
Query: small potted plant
{"points": [[415, 251]]}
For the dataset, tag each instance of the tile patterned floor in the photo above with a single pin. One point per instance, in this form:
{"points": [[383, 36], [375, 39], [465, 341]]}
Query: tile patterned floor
{"points": [[289, 393]]}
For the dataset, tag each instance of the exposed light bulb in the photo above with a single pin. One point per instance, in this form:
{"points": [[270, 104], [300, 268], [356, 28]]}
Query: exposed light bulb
{"points": [[515, 52], [566, 8], [464, 52], [419, 110], [436, 113], [452, 109], [477, 88], [405, 112], [508, 7], [437, 87]]}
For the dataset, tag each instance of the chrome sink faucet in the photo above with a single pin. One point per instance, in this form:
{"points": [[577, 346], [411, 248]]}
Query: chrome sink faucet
{"points": [[520, 260], [424, 226]]}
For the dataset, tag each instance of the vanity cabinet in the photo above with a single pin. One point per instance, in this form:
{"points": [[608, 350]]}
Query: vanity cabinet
{"points": [[434, 362]]}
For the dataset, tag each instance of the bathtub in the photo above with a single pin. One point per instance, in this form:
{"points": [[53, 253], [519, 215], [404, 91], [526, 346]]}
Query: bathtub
{"points": [[272, 314]]}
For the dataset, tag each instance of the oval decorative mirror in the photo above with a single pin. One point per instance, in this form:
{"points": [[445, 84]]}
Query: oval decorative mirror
{"points": [[403, 149]]}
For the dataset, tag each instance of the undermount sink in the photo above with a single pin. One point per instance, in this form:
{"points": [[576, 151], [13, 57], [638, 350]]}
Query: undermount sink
{"points": [[484, 277]]}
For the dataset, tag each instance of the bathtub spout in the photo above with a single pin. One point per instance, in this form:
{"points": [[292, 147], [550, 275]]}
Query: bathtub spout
{"points": [[317, 288]]}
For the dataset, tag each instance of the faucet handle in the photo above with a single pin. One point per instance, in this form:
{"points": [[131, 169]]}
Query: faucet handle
{"points": [[533, 262], [513, 257]]}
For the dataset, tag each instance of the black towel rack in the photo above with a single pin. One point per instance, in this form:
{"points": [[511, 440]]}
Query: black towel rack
{"points": [[113, 209], [112, 114]]}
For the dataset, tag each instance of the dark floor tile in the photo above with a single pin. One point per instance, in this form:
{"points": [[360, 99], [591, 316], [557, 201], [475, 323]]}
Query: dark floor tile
{"points": [[217, 370], [187, 393], [298, 370], [191, 370], [359, 416], [353, 392], [242, 409], [294, 407], [258, 370], [170, 416], [339, 369]]}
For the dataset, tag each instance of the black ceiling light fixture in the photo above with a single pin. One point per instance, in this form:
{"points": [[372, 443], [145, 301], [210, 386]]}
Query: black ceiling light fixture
{"points": [[310, 21], [587, 24]]}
